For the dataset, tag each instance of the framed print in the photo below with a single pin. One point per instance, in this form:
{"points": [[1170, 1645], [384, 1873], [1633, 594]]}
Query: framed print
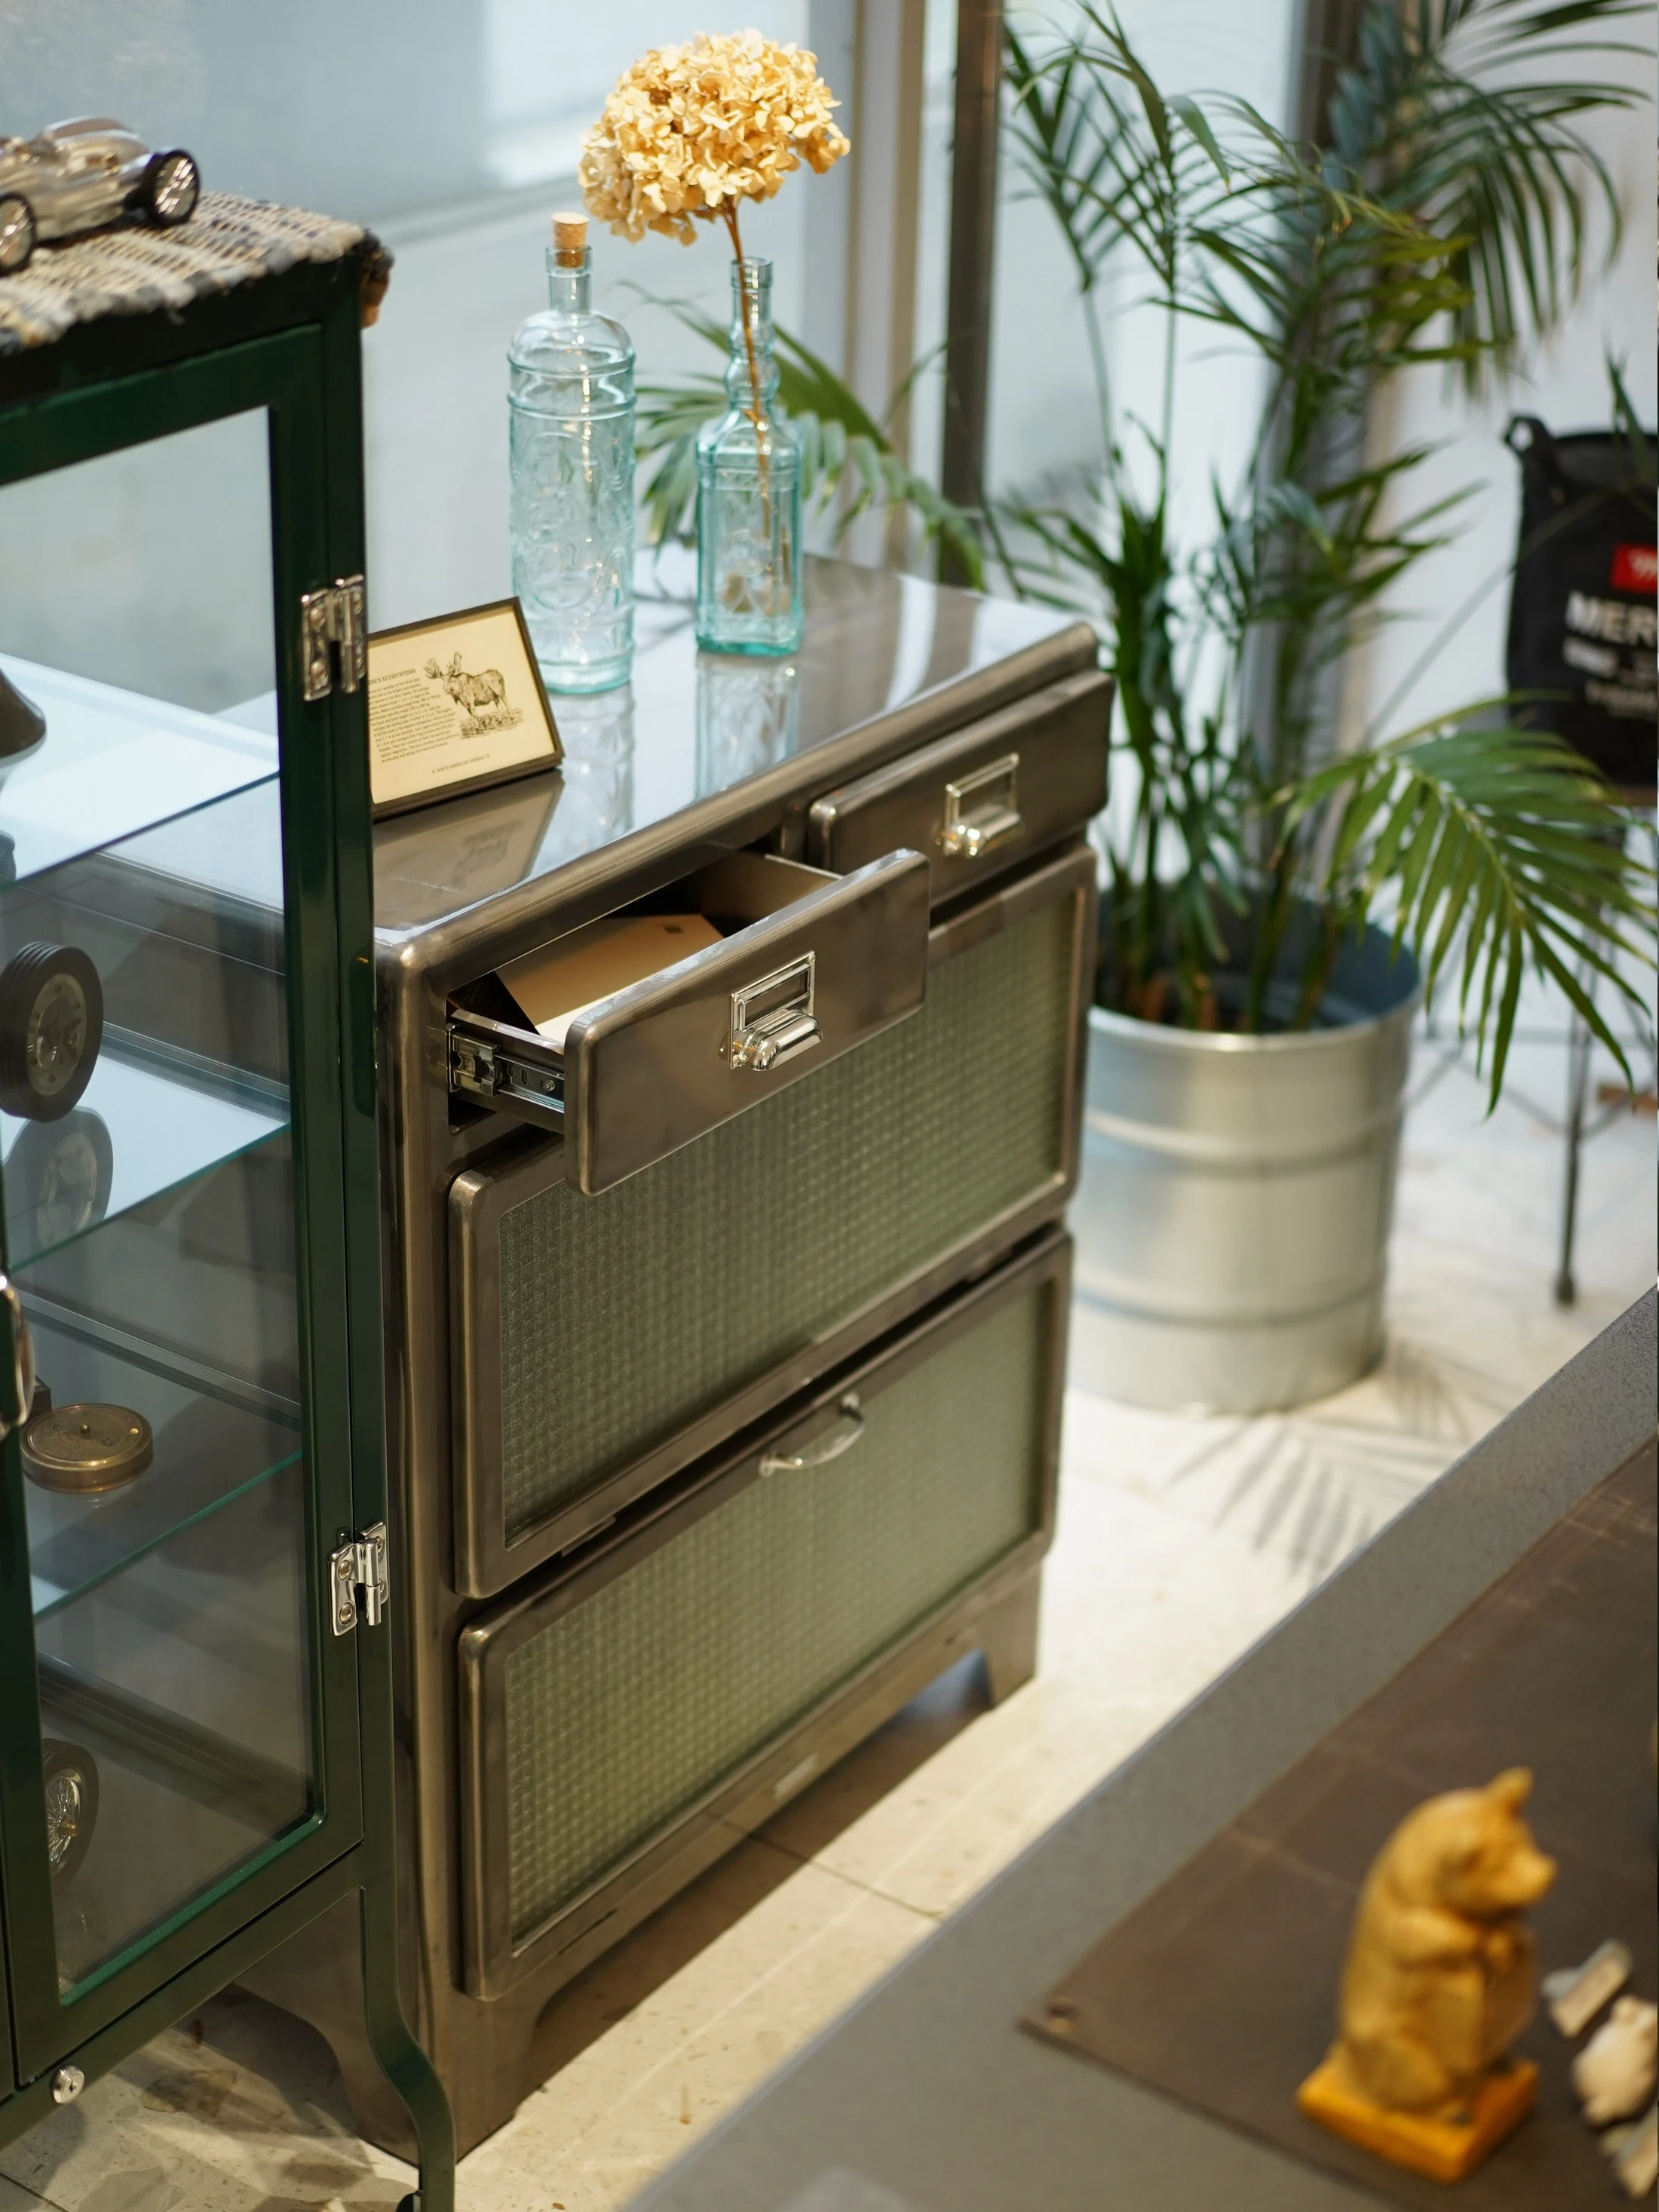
{"points": [[455, 704]]}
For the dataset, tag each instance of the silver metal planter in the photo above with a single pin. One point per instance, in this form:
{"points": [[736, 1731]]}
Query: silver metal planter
{"points": [[1232, 1220]]}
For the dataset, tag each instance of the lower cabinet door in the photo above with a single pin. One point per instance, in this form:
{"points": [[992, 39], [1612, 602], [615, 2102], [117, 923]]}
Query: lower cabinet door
{"points": [[620, 1710]]}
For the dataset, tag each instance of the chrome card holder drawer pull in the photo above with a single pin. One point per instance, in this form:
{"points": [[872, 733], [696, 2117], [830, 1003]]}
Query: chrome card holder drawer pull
{"points": [[981, 810], [773, 1020], [830, 1445]]}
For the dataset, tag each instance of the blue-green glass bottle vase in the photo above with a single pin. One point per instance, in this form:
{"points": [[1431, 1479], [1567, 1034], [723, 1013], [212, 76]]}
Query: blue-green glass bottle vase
{"points": [[748, 551]]}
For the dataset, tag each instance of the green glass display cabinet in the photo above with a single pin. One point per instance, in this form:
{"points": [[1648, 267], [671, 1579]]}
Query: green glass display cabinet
{"points": [[195, 1669]]}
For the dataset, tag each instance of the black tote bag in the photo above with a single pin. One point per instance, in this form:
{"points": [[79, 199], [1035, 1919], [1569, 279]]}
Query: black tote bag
{"points": [[1581, 614]]}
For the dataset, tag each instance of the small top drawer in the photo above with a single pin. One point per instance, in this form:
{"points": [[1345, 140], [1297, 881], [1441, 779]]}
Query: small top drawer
{"points": [[981, 798]]}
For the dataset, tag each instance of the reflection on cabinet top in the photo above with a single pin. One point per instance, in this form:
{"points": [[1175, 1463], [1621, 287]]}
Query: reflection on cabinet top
{"points": [[723, 747]]}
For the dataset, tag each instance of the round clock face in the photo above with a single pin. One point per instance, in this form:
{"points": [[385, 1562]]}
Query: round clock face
{"points": [[86, 1449], [59, 1177]]}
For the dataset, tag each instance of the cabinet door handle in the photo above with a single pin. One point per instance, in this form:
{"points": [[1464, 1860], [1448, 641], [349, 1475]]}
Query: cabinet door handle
{"points": [[822, 1450], [981, 810], [23, 1359]]}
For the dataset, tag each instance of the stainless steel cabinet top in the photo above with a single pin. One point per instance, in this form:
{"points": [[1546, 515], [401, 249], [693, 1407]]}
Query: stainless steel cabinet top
{"points": [[703, 741]]}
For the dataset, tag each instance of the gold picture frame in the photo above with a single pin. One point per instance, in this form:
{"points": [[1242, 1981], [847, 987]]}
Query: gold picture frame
{"points": [[455, 704]]}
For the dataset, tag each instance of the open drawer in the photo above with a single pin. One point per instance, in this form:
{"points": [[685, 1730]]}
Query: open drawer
{"points": [[806, 966]]}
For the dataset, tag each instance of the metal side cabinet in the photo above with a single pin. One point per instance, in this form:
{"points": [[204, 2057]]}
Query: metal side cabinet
{"points": [[725, 1335], [197, 1707]]}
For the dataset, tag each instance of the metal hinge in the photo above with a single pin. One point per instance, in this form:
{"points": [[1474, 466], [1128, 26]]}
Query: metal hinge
{"points": [[336, 616], [357, 1577]]}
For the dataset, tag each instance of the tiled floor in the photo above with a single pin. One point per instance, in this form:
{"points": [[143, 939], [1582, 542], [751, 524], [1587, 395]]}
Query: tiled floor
{"points": [[1181, 1541]]}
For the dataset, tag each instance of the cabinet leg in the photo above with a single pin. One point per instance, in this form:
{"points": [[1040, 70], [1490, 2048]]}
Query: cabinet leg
{"points": [[402, 2060], [1579, 1069], [1008, 1639], [406, 2065], [318, 1976]]}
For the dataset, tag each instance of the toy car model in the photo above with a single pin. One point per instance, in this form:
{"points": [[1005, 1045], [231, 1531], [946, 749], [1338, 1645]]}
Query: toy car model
{"points": [[75, 176]]}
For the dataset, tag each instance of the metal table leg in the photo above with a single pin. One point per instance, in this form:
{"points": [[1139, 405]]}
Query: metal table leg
{"points": [[1578, 1066]]}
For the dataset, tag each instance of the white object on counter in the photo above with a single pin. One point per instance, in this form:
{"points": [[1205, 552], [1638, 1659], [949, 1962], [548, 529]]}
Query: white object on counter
{"points": [[1615, 2071], [1576, 1994], [1636, 2162]]}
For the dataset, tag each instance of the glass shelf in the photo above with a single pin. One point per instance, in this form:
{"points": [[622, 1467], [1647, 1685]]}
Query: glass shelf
{"points": [[216, 1440], [109, 755], [136, 1135], [179, 1676], [179, 1808]]}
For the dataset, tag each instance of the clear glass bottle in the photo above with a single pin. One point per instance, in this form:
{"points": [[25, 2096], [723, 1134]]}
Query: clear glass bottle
{"points": [[570, 401], [748, 553]]}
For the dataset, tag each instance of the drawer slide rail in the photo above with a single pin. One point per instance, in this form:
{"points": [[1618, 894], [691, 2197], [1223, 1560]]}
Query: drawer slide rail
{"points": [[494, 1064]]}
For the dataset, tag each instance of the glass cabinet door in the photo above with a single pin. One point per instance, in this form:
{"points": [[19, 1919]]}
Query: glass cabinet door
{"points": [[163, 1194]]}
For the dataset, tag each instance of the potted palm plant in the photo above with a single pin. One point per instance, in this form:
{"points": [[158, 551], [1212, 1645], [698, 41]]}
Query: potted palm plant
{"points": [[1275, 898]]}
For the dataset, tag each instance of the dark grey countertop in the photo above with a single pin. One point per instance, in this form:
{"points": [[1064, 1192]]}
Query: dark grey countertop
{"points": [[926, 2097]]}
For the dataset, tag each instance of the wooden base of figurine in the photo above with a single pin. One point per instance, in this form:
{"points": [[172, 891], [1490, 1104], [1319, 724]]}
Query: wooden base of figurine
{"points": [[1443, 2149]]}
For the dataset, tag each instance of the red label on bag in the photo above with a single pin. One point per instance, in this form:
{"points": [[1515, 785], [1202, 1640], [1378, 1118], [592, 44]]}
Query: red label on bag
{"points": [[1636, 568]]}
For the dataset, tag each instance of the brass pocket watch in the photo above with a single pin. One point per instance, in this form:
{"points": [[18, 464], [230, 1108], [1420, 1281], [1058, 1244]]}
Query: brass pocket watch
{"points": [[88, 1449]]}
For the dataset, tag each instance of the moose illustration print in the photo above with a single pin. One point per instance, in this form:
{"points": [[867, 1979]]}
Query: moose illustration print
{"points": [[482, 698], [454, 705]]}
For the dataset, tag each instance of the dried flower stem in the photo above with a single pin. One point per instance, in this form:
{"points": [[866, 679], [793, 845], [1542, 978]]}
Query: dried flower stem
{"points": [[729, 212]]}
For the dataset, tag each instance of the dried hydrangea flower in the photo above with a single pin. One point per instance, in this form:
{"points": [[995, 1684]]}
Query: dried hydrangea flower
{"points": [[689, 132]]}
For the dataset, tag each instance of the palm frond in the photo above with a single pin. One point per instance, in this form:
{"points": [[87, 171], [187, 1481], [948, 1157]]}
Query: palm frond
{"points": [[1470, 113], [1498, 848]]}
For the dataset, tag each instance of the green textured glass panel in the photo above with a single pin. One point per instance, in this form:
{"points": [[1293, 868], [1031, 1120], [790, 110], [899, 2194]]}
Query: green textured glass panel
{"points": [[625, 1712], [626, 1316]]}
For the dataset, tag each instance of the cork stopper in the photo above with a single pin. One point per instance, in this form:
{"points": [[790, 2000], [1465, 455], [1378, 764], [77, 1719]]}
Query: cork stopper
{"points": [[570, 241]]}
